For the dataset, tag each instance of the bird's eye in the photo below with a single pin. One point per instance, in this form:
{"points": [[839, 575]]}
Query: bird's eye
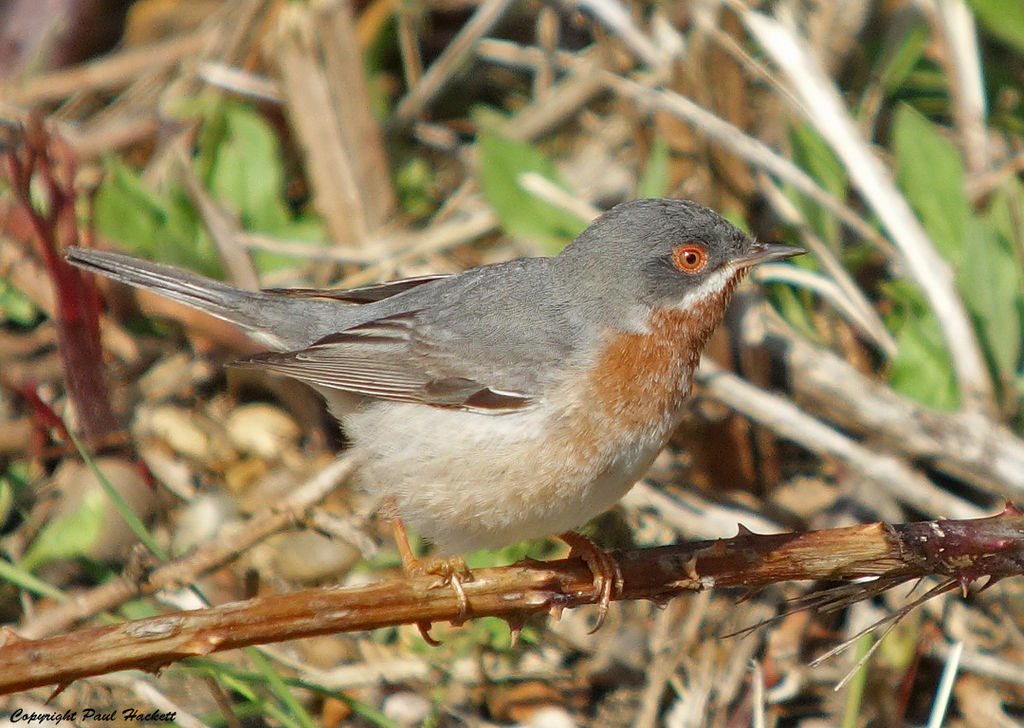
{"points": [[689, 257]]}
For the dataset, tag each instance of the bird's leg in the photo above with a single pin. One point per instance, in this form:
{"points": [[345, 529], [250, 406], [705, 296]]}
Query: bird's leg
{"points": [[602, 566], [410, 564], [453, 571]]}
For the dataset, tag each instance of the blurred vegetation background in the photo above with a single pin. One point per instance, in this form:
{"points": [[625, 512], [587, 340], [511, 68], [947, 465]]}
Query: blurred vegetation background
{"points": [[336, 144]]}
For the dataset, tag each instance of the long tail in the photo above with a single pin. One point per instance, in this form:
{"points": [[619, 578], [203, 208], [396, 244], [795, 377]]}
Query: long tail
{"points": [[271, 318]]}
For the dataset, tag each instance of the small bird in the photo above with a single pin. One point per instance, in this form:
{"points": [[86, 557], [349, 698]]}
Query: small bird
{"points": [[511, 401]]}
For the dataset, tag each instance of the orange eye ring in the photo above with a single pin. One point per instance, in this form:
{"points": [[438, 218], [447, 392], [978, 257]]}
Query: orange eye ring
{"points": [[689, 258]]}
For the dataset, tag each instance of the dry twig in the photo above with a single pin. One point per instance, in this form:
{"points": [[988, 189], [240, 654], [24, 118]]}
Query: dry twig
{"points": [[960, 552]]}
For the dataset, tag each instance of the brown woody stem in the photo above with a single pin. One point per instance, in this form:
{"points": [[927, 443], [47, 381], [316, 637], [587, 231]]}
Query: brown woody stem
{"points": [[962, 551]]}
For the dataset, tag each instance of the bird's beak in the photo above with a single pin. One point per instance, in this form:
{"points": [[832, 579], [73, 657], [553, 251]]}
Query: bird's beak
{"points": [[765, 252]]}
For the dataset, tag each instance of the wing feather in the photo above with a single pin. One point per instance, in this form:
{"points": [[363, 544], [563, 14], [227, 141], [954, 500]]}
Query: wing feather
{"points": [[385, 359], [364, 294]]}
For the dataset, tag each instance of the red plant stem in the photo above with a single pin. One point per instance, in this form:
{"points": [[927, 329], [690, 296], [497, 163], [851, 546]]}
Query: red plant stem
{"points": [[77, 304]]}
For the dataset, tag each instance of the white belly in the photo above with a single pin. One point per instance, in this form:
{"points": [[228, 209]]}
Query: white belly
{"points": [[468, 481]]}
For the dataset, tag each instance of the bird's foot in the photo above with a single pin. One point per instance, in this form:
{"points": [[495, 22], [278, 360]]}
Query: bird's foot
{"points": [[452, 572], [602, 566]]}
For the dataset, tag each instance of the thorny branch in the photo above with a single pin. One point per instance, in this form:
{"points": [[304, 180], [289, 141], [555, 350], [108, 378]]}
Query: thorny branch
{"points": [[958, 552]]}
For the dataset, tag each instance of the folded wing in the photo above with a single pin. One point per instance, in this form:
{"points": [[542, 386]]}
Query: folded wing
{"points": [[387, 359]]}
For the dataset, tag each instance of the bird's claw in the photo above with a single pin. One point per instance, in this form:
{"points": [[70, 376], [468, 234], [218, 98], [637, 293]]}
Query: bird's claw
{"points": [[452, 572], [604, 568]]}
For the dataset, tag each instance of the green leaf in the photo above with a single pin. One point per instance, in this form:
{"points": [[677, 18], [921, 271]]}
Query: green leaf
{"points": [[160, 225], [921, 368], [931, 174], [904, 57], [502, 161], [855, 692], [68, 536], [246, 170], [6, 500], [990, 282], [23, 579], [654, 182], [127, 211], [814, 156], [796, 307], [15, 306], [239, 160], [415, 182], [981, 248], [1002, 18], [184, 241]]}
